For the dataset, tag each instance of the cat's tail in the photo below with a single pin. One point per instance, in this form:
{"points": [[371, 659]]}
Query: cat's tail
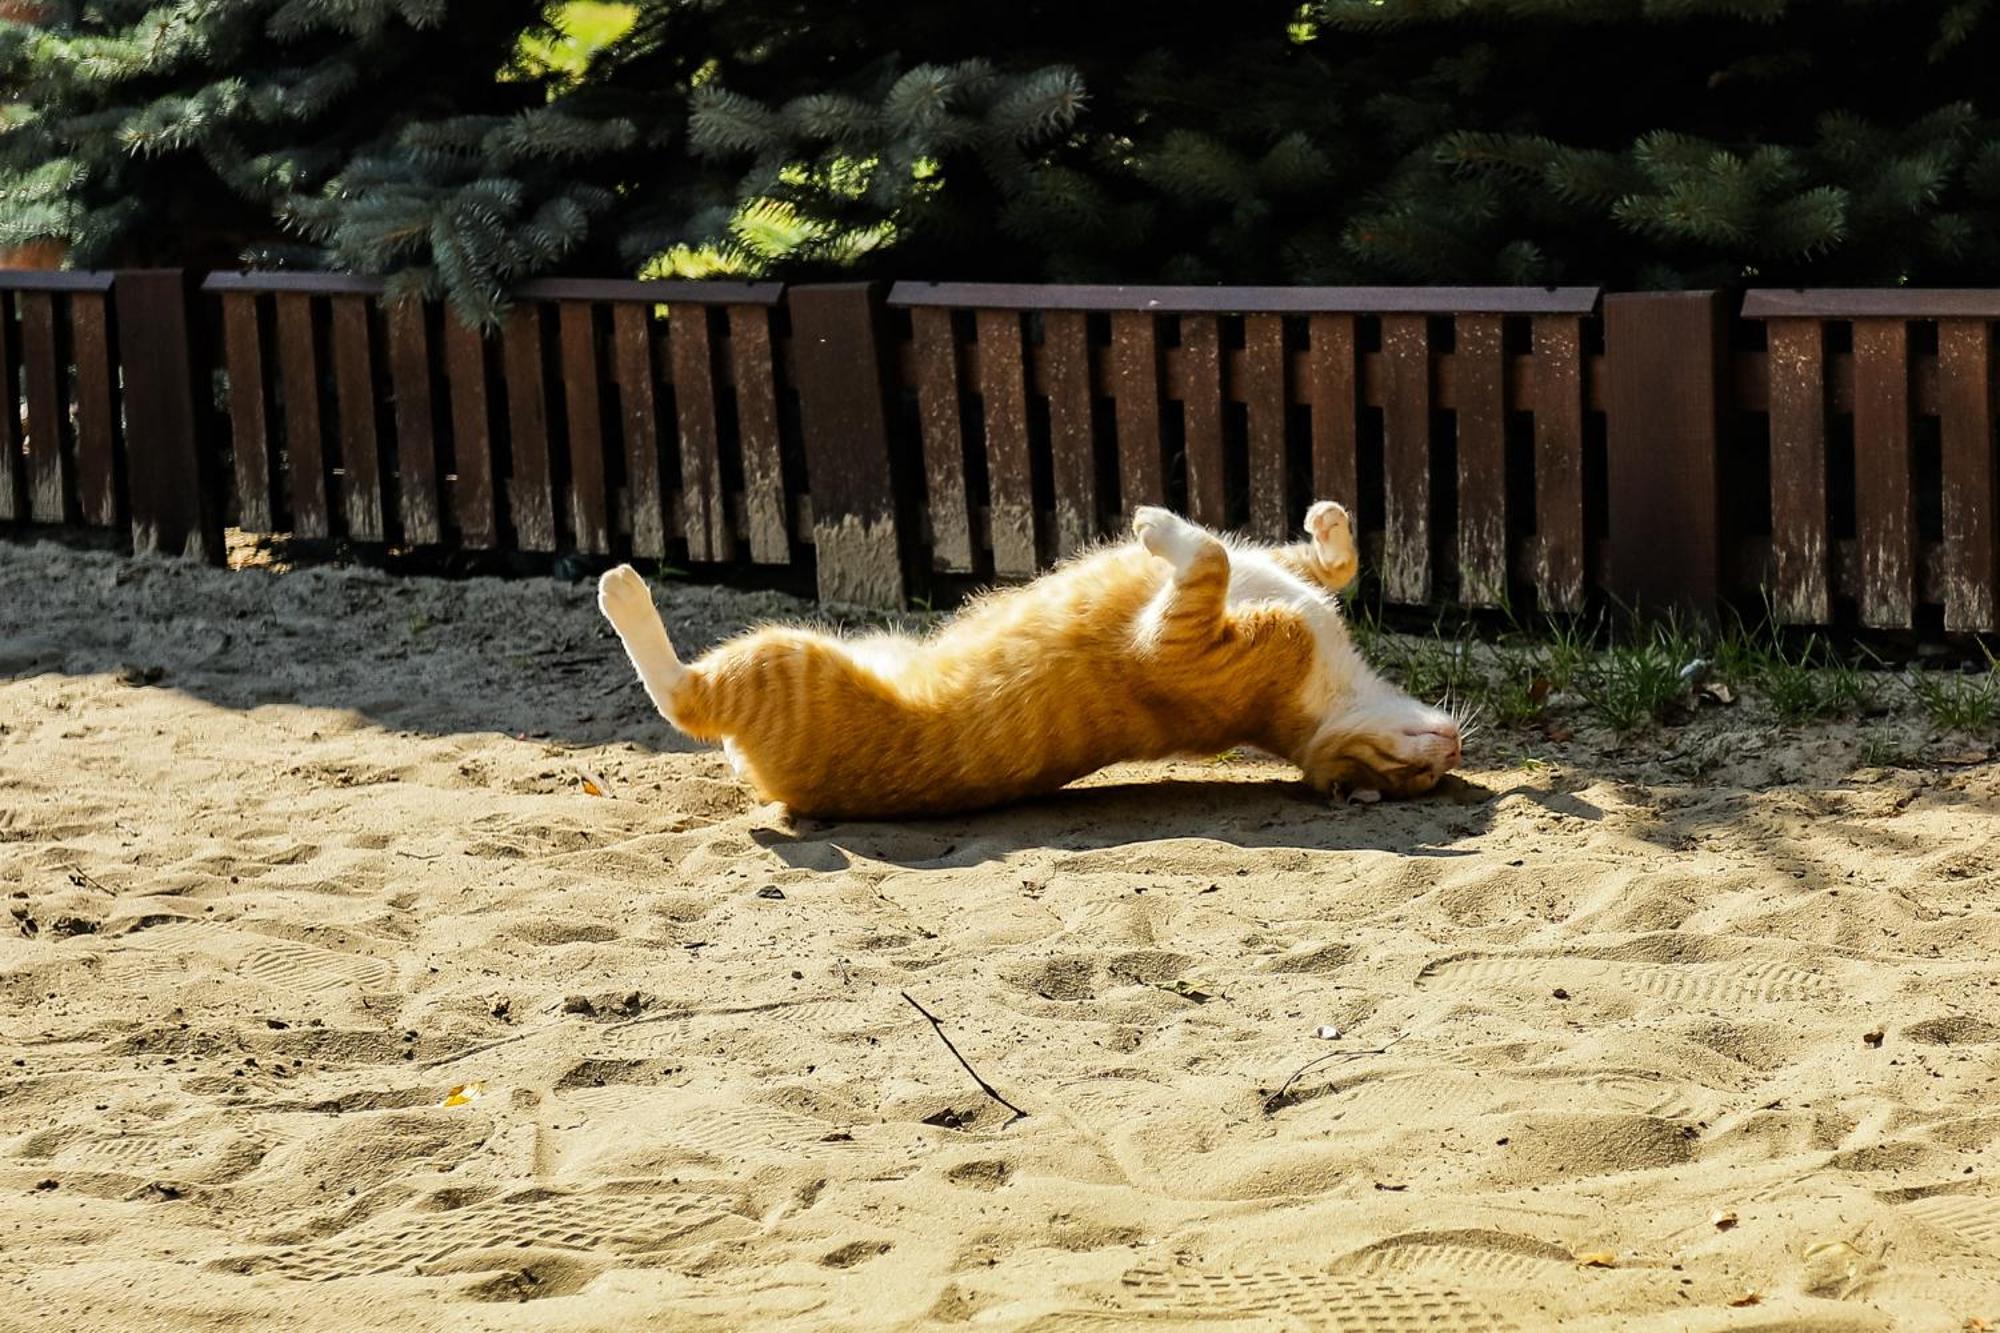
{"points": [[628, 604]]}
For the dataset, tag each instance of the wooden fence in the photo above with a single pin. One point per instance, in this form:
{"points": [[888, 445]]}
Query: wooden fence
{"points": [[1543, 449]]}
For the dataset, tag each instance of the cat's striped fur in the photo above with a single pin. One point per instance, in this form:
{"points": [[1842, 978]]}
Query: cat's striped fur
{"points": [[1176, 643]]}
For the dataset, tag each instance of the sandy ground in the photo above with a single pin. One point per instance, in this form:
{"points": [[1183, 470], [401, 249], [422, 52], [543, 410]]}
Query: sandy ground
{"points": [[1721, 1014]]}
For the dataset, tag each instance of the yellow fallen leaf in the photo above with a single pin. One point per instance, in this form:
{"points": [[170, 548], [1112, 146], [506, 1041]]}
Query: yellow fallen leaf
{"points": [[591, 788], [1597, 1259], [465, 1094]]}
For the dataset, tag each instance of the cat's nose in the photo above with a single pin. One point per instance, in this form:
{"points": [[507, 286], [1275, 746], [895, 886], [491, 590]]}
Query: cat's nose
{"points": [[1447, 732]]}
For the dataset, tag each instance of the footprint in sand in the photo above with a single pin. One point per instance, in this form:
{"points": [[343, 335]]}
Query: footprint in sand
{"points": [[1673, 983], [1972, 1217], [616, 1224], [1316, 1300], [311, 972]]}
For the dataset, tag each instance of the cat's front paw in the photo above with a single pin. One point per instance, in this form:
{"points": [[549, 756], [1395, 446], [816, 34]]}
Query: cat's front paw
{"points": [[1166, 534], [623, 597]]}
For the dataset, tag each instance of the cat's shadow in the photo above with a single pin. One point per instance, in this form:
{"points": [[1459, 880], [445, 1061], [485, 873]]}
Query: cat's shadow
{"points": [[1246, 813]]}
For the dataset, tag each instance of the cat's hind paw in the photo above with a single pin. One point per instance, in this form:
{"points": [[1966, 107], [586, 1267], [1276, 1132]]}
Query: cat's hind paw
{"points": [[1331, 530]]}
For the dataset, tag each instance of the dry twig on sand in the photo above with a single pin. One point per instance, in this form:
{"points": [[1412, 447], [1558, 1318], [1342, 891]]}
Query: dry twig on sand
{"points": [[1278, 1100], [984, 1086]]}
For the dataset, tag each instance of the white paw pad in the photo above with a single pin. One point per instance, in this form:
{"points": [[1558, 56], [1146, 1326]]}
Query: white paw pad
{"points": [[1167, 535], [1330, 528], [623, 596]]}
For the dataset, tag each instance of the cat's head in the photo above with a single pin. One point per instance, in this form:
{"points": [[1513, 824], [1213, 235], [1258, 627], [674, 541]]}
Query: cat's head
{"points": [[1379, 739]]}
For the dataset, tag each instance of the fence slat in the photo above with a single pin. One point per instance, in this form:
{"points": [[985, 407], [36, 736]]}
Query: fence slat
{"points": [[1802, 588], [167, 404], [1264, 410], [1201, 413], [1482, 461], [13, 487], [1884, 499], [249, 424], [305, 456], [416, 423], [857, 541], [1333, 391], [360, 450], [1965, 394], [1558, 344], [757, 429], [1072, 436], [632, 364], [1135, 389], [531, 487], [1003, 389], [1406, 460], [96, 410], [1665, 360], [936, 348], [589, 515], [48, 470], [705, 519], [471, 435]]}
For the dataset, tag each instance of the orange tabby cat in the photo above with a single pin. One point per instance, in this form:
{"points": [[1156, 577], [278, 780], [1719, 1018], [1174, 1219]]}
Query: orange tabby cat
{"points": [[1178, 643]]}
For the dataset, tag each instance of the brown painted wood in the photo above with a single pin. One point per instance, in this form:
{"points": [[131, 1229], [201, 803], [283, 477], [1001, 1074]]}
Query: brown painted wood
{"points": [[768, 535], [1406, 460], [531, 486], [1665, 361], [1801, 549], [1263, 383], [13, 486], [1201, 416], [1558, 343], [1065, 373], [416, 424], [632, 366], [96, 411], [48, 467], [1246, 300], [473, 507], [298, 380], [1003, 389], [590, 513], [1332, 382], [54, 280], [1880, 302], [360, 446], [1885, 502], [1971, 566], [638, 291], [704, 513], [1482, 461], [249, 423], [938, 405], [170, 474], [857, 542], [1135, 391]]}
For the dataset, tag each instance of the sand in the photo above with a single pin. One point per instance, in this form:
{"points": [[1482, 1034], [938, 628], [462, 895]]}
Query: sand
{"points": [[1700, 1034]]}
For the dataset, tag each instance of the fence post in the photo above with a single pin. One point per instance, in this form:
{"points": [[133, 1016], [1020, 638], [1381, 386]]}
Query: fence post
{"points": [[168, 472], [843, 408], [1666, 360]]}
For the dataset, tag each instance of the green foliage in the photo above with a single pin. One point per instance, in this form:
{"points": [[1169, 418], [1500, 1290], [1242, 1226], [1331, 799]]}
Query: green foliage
{"points": [[176, 132], [464, 146], [1964, 703]]}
